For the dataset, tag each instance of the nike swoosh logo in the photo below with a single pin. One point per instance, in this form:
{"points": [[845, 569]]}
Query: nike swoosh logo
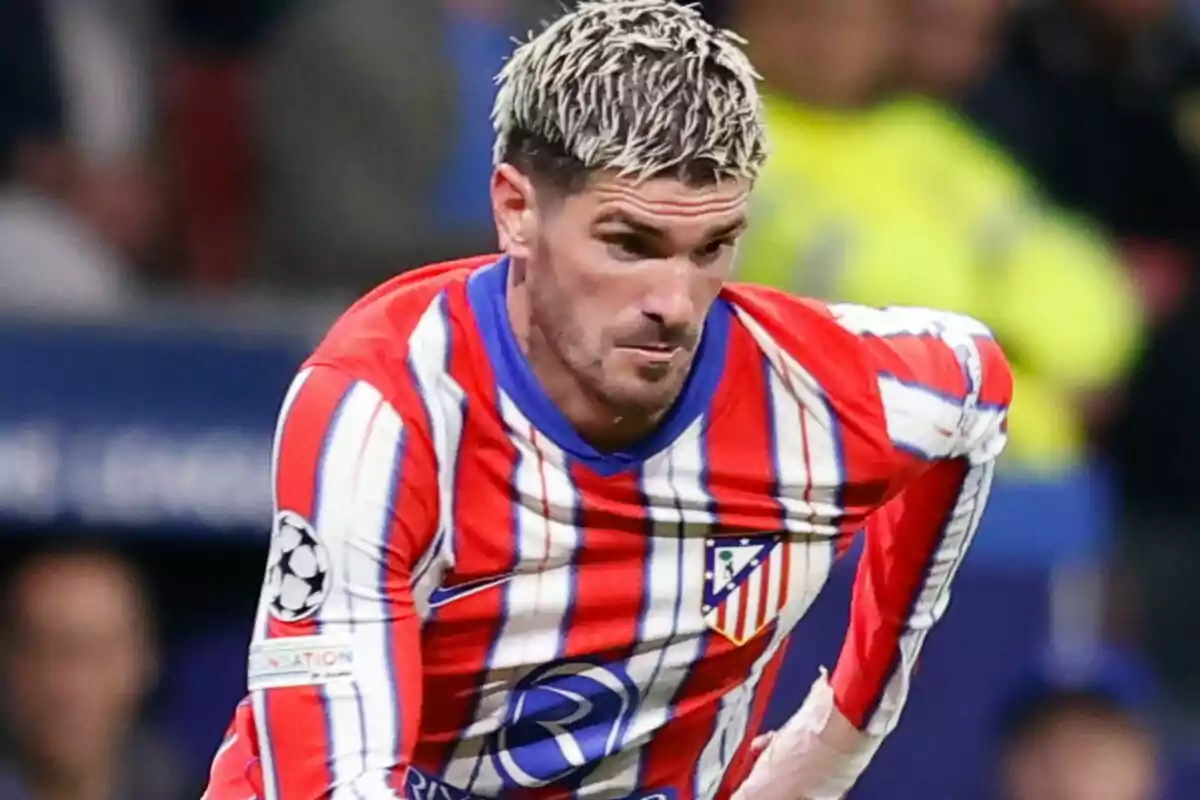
{"points": [[448, 594]]}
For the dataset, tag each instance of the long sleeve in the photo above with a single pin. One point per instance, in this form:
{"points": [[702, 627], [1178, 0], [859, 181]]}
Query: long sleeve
{"points": [[335, 667], [945, 387], [913, 548]]}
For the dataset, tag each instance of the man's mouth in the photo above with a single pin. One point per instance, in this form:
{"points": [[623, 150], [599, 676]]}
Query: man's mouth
{"points": [[655, 352]]}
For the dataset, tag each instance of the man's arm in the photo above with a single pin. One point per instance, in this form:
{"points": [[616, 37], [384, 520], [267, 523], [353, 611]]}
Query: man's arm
{"points": [[335, 671], [945, 388]]}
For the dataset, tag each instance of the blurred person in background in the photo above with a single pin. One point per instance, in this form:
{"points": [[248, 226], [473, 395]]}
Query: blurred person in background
{"points": [[878, 196], [950, 46], [79, 660], [373, 135], [1076, 744], [103, 56], [78, 205], [211, 58], [1100, 99]]}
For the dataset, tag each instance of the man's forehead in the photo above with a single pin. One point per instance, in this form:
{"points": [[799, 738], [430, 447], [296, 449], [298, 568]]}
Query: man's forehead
{"points": [[98, 585], [657, 202]]}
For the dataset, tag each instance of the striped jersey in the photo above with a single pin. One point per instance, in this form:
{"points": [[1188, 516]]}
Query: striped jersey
{"points": [[464, 599]]}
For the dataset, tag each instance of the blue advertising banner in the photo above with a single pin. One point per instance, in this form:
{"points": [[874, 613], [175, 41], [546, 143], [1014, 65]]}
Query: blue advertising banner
{"points": [[135, 427]]}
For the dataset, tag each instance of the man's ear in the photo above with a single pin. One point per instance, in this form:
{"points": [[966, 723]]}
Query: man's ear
{"points": [[514, 206]]}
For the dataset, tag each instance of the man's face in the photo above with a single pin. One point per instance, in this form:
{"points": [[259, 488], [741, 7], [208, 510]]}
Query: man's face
{"points": [[621, 278], [1083, 759], [78, 662], [949, 44], [827, 52]]}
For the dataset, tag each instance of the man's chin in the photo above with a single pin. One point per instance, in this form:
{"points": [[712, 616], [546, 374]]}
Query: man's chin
{"points": [[639, 397]]}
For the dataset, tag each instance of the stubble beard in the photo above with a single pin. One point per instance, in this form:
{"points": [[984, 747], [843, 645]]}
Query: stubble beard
{"points": [[556, 331]]}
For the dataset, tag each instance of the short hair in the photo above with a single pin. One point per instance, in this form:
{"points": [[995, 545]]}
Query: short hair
{"points": [[71, 552], [644, 88]]}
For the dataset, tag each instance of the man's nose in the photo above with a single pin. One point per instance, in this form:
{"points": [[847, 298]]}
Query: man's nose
{"points": [[668, 299]]}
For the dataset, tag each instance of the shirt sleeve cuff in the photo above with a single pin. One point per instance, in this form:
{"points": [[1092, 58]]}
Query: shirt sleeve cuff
{"points": [[800, 762]]}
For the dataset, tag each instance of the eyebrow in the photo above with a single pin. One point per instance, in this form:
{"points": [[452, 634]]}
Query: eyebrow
{"points": [[654, 232]]}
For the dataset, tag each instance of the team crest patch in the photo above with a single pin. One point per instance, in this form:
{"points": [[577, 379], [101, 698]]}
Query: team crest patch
{"points": [[745, 584]]}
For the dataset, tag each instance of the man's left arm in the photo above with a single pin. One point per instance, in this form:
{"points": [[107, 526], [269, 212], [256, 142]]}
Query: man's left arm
{"points": [[945, 388]]}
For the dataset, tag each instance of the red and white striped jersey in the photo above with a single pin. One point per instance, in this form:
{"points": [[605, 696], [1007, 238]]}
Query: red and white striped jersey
{"points": [[466, 600]]}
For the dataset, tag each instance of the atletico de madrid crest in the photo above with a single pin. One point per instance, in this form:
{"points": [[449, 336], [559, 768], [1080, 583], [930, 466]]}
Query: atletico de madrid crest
{"points": [[745, 584]]}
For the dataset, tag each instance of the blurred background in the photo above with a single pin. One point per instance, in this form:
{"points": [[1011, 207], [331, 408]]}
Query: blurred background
{"points": [[191, 190]]}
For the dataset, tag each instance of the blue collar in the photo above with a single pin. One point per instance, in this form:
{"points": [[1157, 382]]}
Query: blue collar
{"points": [[487, 290]]}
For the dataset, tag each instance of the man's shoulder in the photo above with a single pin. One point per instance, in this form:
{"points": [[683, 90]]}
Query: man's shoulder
{"points": [[943, 351], [944, 383], [805, 331], [397, 306], [786, 317], [374, 339], [912, 372], [884, 340]]}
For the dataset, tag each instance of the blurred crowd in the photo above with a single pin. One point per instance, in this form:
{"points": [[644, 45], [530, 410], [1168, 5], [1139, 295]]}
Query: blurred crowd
{"points": [[1032, 163], [81, 660]]}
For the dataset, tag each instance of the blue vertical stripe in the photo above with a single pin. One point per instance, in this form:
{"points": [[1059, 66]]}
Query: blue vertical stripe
{"points": [[330, 432], [395, 476], [514, 504]]}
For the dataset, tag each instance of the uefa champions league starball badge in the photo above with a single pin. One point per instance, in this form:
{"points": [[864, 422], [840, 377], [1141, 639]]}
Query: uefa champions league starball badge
{"points": [[298, 574]]}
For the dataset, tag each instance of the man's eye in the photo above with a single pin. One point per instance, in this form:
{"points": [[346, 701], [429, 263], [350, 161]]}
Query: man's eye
{"points": [[713, 250], [628, 247]]}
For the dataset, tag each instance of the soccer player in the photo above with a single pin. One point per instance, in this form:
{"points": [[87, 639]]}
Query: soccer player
{"points": [[544, 521]]}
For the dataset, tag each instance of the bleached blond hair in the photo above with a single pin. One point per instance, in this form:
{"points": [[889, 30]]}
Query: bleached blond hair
{"points": [[643, 88]]}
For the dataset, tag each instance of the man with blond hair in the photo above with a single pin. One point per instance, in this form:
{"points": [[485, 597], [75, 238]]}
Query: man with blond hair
{"points": [[545, 520]]}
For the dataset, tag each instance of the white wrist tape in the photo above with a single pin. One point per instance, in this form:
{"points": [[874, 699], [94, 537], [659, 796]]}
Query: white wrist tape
{"points": [[798, 764]]}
